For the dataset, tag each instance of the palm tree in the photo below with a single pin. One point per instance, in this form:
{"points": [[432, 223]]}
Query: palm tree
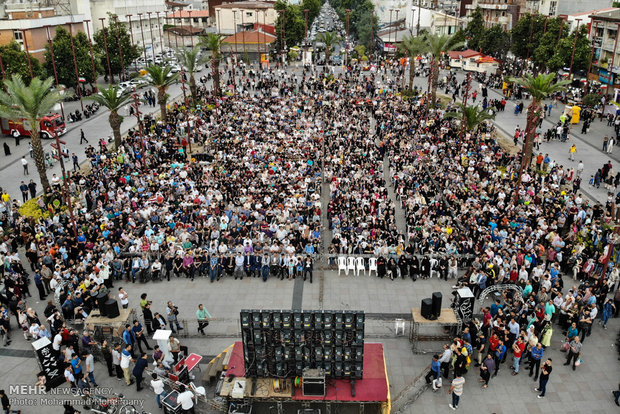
{"points": [[189, 59], [161, 77], [539, 87], [471, 116], [329, 39], [113, 99], [31, 103], [213, 42], [412, 47], [436, 45]]}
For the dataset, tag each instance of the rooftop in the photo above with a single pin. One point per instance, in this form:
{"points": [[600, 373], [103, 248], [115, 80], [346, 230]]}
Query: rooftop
{"points": [[250, 37], [186, 14], [246, 5]]}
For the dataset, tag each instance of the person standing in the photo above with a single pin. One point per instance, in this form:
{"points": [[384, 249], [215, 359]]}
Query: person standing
{"points": [[158, 388], [434, 372], [76, 165], [574, 351], [138, 332], [172, 311], [186, 399], [82, 137], [126, 359], [124, 298], [517, 351], [116, 361], [32, 186], [536, 355], [24, 189], [107, 355], [89, 360], [457, 390], [571, 152], [544, 378], [129, 338], [138, 370], [203, 316], [486, 368], [25, 165], [38, 282]]}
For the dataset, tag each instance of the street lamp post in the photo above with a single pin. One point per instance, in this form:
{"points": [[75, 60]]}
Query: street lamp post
{"points": [[161, 36], [120, 49], [372, 34], [305, 32], [67, 196], [105, 44], [346, 43], [587, 84], [142, 32], [245, 53], [135, 63], [390, 28], [236, 44], [152, 38]]}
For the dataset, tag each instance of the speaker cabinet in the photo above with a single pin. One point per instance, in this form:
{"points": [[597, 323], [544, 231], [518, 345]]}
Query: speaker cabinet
{"points": [[437, 304], [427, 308], [111, 308]]}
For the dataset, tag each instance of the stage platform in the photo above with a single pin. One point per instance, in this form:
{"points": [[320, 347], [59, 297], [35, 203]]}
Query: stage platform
{"points": [[373, 387]]}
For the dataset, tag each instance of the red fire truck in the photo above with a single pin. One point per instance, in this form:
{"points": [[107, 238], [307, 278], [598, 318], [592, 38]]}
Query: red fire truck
{"points": [[49, 123]]}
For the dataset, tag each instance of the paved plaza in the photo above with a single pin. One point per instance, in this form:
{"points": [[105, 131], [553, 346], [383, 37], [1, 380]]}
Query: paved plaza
{"points": [[588, 389]]}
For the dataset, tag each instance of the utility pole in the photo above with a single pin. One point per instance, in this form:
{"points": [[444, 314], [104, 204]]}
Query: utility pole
{"points": [[143, 43], [137, 112], [586, 87], [613, 58], [390, 28], [417, 29], [77, 74], [346, 43], [92, 56], [25, 38], [105, 44], [572, 57], [67, 196], [372, 33], [152, 38], [245, 53], [135, 64], [465, 98], [51, 46], [236, 44], [120, 49], [305, 33], [161, 36]]}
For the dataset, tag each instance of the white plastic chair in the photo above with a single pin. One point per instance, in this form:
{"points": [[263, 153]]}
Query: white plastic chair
{"points": [[372, 265], [399, 325], [350, 264], [342, 265], [359, 265]]}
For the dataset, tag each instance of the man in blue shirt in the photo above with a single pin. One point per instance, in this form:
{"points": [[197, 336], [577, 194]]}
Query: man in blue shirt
{"points": [[434, 372], [76, 364], [138, 333], [500, 352], [138, 370], [129, 338], [495, 307], [536, 355]]}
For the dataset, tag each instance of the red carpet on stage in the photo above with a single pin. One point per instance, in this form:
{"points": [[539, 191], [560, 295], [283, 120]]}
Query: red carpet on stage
{"points": [[372, 387]]}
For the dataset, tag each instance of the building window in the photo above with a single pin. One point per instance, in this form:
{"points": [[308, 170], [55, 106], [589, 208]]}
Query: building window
{"points": [[18, 36], [249, 14]]}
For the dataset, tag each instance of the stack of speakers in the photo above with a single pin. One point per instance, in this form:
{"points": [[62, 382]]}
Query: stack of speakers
{"points": [[279, 343], [431, 307]]}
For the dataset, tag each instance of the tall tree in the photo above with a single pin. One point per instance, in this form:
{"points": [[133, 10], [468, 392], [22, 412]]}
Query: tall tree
{"points": [[293, 24], [564, 51], [472, 116], [437, 45], [526, 34], [15, 62], [161, 78], [549, 42], [213, 42], [63, 56], [190, 59], [496, 42], [113, 99], [412, 47], [114, 32], [30, 102], [539, 88], [314, 8], [475, 30], [329, 39]]}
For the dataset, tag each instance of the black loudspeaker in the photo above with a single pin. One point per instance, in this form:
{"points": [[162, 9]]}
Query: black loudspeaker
{"points": [[427, 308], [436, 304], [111, 308], [102, 298]]}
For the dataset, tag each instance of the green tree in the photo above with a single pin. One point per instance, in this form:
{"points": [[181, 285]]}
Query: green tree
{"points": [[496, 42], [366, 25], [437, 45], [63, 57], [293, 24], [564, 51], [412, 47], [15, 62], [360, 50], [475, 31], [314, 8], [30, 102], [524, 43], [113, 99], [329, 39], [161, 78], [213, 42], [115, 32], [190, 59], [548, 42], [539, 88], [472, 115]]}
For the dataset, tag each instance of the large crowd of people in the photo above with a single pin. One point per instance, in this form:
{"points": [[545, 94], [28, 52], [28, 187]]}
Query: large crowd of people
{"points": [[250, 206]]}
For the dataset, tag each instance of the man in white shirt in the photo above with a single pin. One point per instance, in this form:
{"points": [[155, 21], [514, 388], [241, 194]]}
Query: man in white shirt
{"points": [[158, 388], [186, 399]]}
